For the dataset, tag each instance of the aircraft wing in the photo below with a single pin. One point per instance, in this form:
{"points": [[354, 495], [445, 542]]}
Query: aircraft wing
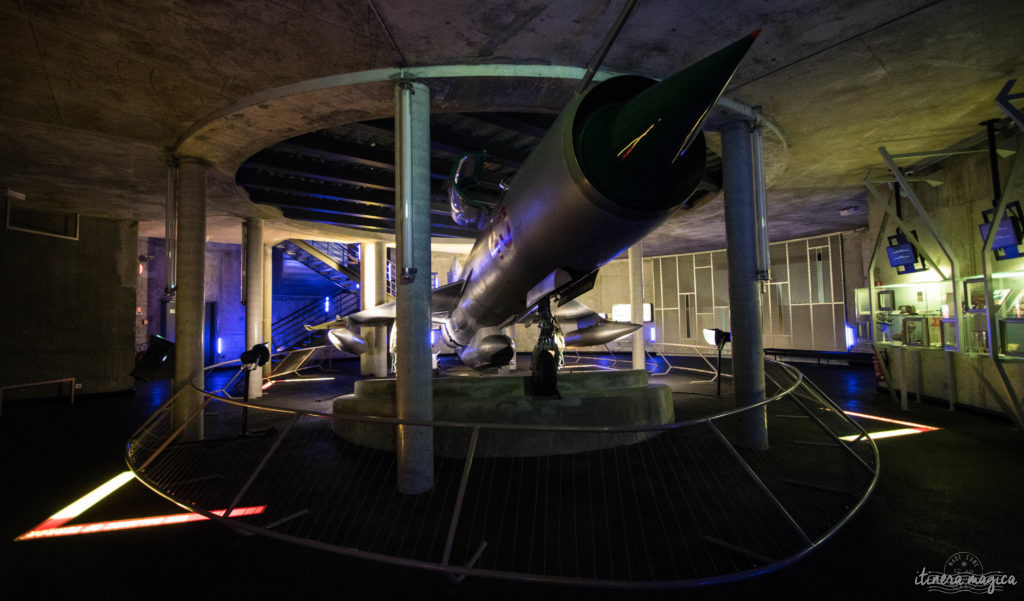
{"points": [[381, 315], [442, 300]]}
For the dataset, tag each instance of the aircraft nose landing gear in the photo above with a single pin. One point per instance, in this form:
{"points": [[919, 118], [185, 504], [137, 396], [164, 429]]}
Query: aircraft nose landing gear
{"points": [[547, 355]]}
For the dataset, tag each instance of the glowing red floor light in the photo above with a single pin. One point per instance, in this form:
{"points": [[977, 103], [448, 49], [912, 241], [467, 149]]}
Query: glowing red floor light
{"points": [[41, 531]]}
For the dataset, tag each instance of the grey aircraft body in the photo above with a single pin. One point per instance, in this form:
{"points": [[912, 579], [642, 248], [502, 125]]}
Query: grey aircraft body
{"points": [[618, 160]]}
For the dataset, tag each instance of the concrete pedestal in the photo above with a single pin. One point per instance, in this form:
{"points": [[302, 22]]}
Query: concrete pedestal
{"points": [[610, 398]]}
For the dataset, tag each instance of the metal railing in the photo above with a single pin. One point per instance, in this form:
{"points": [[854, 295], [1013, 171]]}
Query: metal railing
{"points": [[288, 331], [654, 365], [655, 506], [33, 384], [344, 254]]}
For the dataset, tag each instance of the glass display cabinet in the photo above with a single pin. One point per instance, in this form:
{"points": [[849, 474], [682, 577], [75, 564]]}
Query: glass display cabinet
{"points": [[949, 341], [913, 313], [886, 300], [915, 330], [1011, 331], [1007, 312], [975, 326]]}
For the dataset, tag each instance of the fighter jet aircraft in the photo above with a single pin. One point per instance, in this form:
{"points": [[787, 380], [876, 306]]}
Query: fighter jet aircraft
{"points": [[620, 158]]}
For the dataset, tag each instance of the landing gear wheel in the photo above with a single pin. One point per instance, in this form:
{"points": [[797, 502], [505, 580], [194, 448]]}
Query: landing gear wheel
{"points": [[545, 374]]}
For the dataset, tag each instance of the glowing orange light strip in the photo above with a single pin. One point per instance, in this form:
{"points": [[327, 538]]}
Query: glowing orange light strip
{"points": [[41, 531], [886, 434], [75, 509], [921, 427]]}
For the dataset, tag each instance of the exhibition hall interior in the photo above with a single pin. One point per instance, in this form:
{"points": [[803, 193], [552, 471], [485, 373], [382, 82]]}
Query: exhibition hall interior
{"points": [[610, 300]]}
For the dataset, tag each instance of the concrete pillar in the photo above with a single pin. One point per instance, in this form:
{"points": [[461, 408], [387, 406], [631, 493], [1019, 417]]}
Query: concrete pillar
{"points": [[415, 445], [373, 261], [744, 295], [268, 299], [190, 299], [636, 302], [253, 249]]}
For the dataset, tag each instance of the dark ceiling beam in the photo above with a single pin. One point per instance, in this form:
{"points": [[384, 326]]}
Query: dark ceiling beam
{"points": [[341, 173], [446, 140], [436, 229], [367, 196], [341, 210], [336, 149], [294, 167], [534, 124], [269, 191], [353, 222]]}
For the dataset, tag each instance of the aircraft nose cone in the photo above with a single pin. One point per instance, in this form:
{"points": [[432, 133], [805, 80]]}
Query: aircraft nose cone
{"points": [[660, 123], [636, 150]]}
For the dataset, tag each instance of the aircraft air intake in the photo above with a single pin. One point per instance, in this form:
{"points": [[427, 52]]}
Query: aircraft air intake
{"points": [[489, 348], [640, 143]]}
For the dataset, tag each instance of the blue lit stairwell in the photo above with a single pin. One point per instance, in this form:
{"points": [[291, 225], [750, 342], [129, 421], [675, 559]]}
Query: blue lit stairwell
{"points": [[336, 292]]}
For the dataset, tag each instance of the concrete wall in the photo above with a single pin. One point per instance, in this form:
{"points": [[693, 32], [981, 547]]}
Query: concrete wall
{"points": [[223, 287], [69, 308], [955, 209], [441, 263]]}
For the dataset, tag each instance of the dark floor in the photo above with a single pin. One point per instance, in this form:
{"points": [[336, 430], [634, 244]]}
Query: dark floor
{"points": [[956, 489]]}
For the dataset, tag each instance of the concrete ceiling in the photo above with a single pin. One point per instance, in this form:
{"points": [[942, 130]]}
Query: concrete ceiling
{"points": [[95, 93]]}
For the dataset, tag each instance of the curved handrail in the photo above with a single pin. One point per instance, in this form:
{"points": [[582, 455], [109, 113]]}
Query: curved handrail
{"points": [[793, 372], [505, 426], [798, 382]]}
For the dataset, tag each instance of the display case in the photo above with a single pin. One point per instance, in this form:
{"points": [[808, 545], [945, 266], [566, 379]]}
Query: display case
{"points": [[935, 331], [1007, 291], [886, 300], [974, 295], [1007, 294], [1011, 333], [949, 341], [975, 326], [911, 313], [915, 330]]}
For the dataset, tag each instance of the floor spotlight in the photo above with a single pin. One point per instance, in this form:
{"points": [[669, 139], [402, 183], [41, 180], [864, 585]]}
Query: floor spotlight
{"points": [[252, 360], [718, 338]]}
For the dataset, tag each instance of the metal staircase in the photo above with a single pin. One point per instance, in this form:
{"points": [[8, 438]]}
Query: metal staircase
{"points": [[336, 262], [288, 332]]}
